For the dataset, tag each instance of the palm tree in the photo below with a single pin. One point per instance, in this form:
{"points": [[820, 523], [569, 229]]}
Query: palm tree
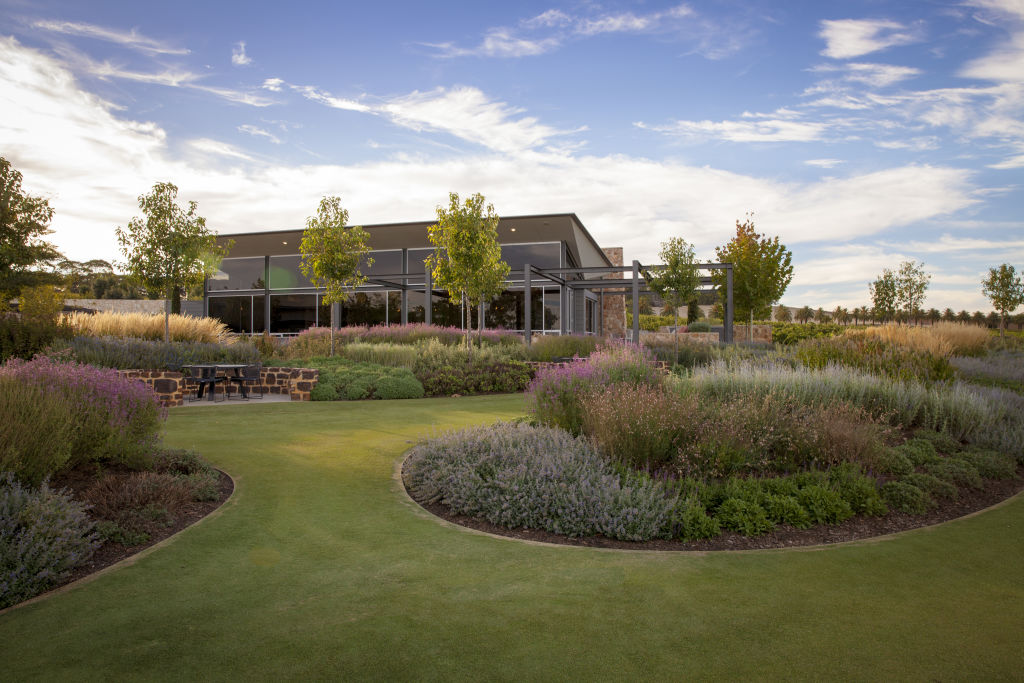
{"points": [[804, 314], [948, 315]]}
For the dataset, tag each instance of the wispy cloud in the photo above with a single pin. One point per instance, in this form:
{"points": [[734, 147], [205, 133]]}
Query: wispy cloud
{"points": [[238, 56], [218, 148], [130, 39], [846, 38], [874, 75], [824, 163], [258, 132], [765, 130]]}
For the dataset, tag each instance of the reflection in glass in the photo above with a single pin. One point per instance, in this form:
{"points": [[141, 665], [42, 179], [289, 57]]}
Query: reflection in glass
{"points": [[290, 313], [552, 309], [364, 308], [417, 307], [323, 312], [445, 312], [236, 274], [285, 273], [258, 317], [394, 308], [384, 263], [505, 311], [233, 311], [539, 255]]}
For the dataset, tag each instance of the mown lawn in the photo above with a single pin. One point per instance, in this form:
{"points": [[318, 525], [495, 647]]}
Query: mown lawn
{"points": [[319, 568]]}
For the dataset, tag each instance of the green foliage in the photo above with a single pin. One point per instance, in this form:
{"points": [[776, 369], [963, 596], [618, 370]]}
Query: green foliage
{"points": [[912, 282], [25, 338], [679, 278], [24, 220], [783, 509], [171, 249], [349, 380], [874, 355], [762, 269], [546, 348], [905, 497], [857, 489], [956, 471], [41, 304], [893, 461], [36, 434], [692, 522], [992, 464], [467, 256], [1005, 290], [791, 333], [920, 452], [744, 517], [932, 485], [143, 354], [885, 296], [333, 253], [698, 327], [824, 505], [941, 441]]}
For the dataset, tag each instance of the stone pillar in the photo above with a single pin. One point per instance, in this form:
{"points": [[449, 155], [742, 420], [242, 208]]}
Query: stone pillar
{"points": [[613, 303]]}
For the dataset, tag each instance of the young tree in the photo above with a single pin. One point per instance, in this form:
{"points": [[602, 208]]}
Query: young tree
{"points": [[677, 281], [762, 269], [24, 220], [718, 311], [884, 295], [645, 305], [467, 255], [171, 249], [911, 284], [1004, 289], [805, 314], [333, 252]]}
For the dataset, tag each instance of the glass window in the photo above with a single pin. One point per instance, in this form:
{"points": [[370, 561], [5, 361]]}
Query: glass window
{"points": [[233, 311], [591, 307], [364, 308], [323, 312], [416, 259], [259, 323], [537, 308], [395, 308], [552, 309], [285, 273], [236, 274], [384, 263], [445, 312], [292, 312], [505, 311], [539, 255], [417, 307]]}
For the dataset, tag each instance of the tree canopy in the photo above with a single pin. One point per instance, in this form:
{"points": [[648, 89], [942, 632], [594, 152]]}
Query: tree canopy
{"points": [[884, 296], [467, 256], [171, 249], [24, 220], [911, 284], [334, 252], [677, 281], [1005, 290], [762, 270]]}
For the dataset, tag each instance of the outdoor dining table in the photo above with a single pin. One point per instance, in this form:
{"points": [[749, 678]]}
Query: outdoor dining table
{"points": [[207, 374]]}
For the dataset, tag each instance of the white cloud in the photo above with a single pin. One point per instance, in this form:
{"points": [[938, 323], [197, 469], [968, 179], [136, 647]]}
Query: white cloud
{"points": [[767, 130], [238, 56], [273, 84], [218, 148], [846, 38], [614, 23], [316, 95], [824, 163], [255, 131], [1012, 162], [874, 75], [131, 39]]}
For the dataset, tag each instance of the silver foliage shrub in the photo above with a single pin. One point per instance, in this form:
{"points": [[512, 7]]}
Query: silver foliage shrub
{"points": [[522, 476]]}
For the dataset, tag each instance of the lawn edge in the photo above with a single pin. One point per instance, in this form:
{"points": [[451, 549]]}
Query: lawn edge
{"points": [[131, 559]]}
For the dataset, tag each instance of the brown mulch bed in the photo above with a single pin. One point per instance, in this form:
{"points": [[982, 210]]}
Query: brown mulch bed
{"points": [[855, 528], [77, 481]]}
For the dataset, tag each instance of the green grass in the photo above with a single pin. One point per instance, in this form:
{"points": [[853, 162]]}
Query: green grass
{"points": [[319, 568]]}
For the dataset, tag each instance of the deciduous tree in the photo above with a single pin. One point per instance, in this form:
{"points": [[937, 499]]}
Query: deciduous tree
{"points": [[24, 221], [1004, 289], [678, 278], [911, 284], [884, 296], [467, 256], [169, 250], [333, 253]]}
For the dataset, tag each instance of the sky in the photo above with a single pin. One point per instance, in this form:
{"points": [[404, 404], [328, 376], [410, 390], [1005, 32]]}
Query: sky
{"points": [[862, 134]]}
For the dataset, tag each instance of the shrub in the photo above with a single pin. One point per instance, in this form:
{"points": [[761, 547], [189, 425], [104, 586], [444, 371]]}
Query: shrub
{"points": [[636, 424], [520, 476], [1005, 367], [315, 341], [324, 391], [183, 328], [956, 471], [140, 502], [857, 489], [920, 452], [392, 387], [392, 355], [791, 333], [692, 522], [743, 517], [905, 497], [36, 430], [548, 347], [873, 355], [782, 509], [992, 464], [116, 419], [44, 534], [349, 380], [893, 461], [824, 505], [941, 442], [25, 338], [932, 485], [187, 466], [130, 354]]}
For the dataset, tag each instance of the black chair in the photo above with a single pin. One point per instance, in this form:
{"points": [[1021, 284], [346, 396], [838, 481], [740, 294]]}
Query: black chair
{"points": [[250, 373], [206, 380]]}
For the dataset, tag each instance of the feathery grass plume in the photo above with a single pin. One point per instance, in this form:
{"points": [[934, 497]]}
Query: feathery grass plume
{"points": [[183, 328], [941, 339]]}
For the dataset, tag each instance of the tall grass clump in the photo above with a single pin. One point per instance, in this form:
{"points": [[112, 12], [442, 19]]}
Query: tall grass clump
{"points": [[114, 419], [556, 395], [519, 476], [24, 338], [958, 410], [874, 355], [392, 355], [183, 328], [146, 354], [44, 534], [548, 347], [941, 339], [36, 432]]}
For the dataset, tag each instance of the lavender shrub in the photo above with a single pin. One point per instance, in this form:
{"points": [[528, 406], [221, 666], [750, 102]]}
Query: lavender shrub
{"points": [[115, 419], [44, 534], [520, 476]]}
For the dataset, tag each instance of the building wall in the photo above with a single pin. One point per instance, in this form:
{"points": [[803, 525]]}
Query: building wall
{"points": [[613, 311], [119, 305]]}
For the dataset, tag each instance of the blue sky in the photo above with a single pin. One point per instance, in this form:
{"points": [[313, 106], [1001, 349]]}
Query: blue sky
{"points": [[861, 133]]}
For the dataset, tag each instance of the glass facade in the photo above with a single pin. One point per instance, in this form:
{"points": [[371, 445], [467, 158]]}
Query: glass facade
{"points": [[285, 273], [242, 314], [292, 313], [237, 274]]}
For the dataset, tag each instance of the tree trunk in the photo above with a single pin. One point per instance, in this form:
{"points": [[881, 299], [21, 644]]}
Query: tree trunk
{"points": [[467, 321], [176, 300], [167, 321], [676, 333], [750, 327]]}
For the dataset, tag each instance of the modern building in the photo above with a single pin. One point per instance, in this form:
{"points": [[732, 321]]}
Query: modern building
{"points": [[260, 287]]}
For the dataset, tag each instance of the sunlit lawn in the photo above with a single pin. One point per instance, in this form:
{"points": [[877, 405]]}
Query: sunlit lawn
{"points": [[320, 568]]}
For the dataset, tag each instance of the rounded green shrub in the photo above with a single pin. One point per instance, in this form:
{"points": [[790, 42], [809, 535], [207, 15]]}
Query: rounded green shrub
{"points": [[893, 461], [692, 522], [779, 486], [357, 388], [956, 471], [858, 490], [824, 505], [743, 517], [398, 386], [992, 464], [324, 391], [905, 497], [698, 327], [786, 510], [943, 442], [921, 452], [933, 486]]}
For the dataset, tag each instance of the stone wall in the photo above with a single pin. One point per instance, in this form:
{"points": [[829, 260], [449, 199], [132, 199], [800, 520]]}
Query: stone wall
{"points": [[169, 386], [669, 338], [119, 305], [613, 310], [762, 333]]}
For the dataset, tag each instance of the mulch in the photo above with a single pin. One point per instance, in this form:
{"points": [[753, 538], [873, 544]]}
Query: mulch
{"points": [[853, 529]]}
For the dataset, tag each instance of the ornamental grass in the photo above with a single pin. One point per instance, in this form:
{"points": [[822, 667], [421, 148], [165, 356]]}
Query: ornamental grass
{"points": [[183, 328], [941, 339]]}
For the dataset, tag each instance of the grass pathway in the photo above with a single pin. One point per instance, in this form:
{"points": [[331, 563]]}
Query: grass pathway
{"points": [[318, 568]]}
